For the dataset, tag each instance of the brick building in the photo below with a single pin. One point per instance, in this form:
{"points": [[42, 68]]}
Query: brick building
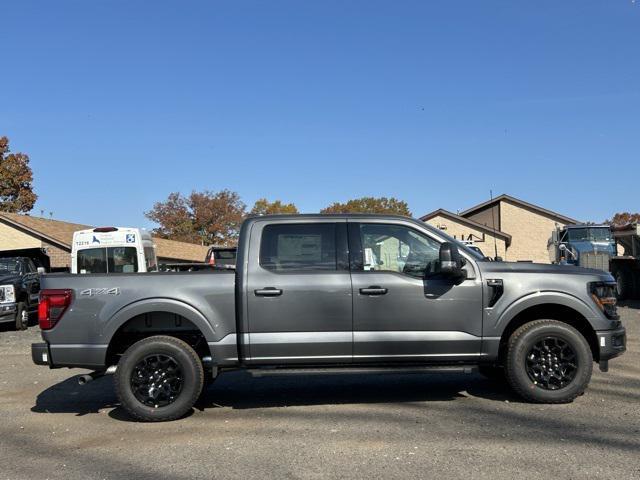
{"points": [[518, 229], [52, 238]]}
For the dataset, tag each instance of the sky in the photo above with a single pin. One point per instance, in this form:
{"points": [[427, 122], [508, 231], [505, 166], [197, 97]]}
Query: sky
{"points": [[119, 103]]}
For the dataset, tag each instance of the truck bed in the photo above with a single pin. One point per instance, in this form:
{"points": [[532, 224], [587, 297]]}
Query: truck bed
{"points": [[102, 303]]}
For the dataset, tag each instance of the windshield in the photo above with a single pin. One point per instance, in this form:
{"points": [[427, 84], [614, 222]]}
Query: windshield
{"points": [[589, 234], [9, 265], [108, 260]]}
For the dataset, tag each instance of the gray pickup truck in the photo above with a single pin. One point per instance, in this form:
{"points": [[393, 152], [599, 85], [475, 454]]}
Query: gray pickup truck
{"points": [[332, 294]]}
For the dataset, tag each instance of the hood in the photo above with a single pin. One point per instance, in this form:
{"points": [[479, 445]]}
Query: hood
{"points": [[9, 278], [543, 268]]}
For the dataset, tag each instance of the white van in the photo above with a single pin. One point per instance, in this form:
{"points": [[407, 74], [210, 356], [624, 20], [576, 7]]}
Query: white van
{"points": [[113, 250]]}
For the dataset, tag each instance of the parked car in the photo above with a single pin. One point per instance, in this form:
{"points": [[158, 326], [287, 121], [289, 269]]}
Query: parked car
{"points": [[305, 298], [19, 290]]}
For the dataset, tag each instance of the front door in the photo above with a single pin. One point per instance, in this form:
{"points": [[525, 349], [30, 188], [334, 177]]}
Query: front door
{"points": [[403, 310], [299, 293]]}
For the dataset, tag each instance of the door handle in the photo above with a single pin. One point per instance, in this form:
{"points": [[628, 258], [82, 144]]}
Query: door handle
{"points": [[268, 292], [373, 290]]}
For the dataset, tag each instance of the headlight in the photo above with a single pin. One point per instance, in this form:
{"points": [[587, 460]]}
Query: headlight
{"points": [[7, 294], [604, 296]]}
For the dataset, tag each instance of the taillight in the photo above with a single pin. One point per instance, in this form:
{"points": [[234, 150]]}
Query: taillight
{"points": [[53, 304], [212, 259]]}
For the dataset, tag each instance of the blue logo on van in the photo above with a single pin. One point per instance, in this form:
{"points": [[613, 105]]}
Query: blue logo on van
{"points": [[131, 238], [95, 240]]}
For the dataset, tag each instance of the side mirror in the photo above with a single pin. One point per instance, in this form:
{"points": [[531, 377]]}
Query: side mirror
{"points": [[451, 262]]}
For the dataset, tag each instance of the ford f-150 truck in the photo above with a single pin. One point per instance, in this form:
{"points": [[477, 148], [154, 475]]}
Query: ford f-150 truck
{"points": [[332, 294]]}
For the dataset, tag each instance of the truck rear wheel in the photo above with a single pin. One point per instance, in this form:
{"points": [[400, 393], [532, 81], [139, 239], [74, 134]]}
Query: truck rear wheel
{"points": [[548, 362], [159, 379]]}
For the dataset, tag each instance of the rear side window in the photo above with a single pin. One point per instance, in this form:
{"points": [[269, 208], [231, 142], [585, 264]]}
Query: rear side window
{"points": [[309, 246]]}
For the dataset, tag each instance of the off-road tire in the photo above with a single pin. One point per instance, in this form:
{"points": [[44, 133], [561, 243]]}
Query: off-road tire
{"points": [[192, 378], [21, 324], [519, 347]]}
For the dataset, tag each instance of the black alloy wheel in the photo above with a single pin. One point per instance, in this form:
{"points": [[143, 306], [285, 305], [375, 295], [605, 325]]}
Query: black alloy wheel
{"points": [[548, 361], [156, 380], [551, 363], [159, 378]]}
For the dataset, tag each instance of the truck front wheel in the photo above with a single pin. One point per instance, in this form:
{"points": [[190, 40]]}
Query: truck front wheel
{"points": [[22, 317], [548, 362], [159, 379]]}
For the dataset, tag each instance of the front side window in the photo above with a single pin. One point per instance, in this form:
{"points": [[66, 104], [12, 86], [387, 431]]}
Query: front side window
{"points": [[394, 248], [108, 260], [290, 247]]}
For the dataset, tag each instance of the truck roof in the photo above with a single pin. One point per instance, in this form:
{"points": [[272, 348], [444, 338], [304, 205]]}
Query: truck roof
{"points": [[331, 215], [585, 225], [344, 216]]}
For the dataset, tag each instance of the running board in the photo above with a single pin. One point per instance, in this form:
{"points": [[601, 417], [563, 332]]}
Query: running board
{"points": [[283, 371]]}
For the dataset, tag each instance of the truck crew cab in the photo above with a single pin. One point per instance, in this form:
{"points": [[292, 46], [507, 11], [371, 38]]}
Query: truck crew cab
{"points": [[332, 294]]}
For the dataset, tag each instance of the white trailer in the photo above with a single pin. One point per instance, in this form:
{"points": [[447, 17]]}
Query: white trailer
{"points": [[113, 250]]}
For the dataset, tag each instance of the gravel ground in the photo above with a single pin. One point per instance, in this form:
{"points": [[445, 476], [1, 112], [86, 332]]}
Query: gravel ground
{"points": [[390, 426]]}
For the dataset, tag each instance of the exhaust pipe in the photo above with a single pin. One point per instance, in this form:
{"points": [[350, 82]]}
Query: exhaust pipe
{"points": [[84, 379]]}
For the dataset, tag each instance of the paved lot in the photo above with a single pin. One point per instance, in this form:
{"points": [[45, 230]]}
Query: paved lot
{"points": [[395, 426]]}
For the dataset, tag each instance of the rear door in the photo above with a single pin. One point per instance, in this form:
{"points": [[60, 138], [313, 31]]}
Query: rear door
{"points": [[298, 292]]}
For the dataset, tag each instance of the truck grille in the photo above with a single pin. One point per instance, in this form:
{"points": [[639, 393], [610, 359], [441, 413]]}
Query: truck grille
{"points": [[599, 261]]}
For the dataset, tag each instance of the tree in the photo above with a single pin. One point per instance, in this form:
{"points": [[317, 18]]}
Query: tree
{"points": [[202, 217], [622, 218], [265, 207], [16, 180], [381, 205]]}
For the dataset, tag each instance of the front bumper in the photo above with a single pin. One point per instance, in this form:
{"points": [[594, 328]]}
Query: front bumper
{"points": [[8, 312], [40, 354], [611, 343]]}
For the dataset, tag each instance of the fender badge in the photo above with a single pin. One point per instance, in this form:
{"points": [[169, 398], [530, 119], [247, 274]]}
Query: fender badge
{"points": [[90, 292]]}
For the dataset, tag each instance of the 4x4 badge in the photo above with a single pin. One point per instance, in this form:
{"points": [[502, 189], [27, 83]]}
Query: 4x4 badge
{"points": [[89, 292]]}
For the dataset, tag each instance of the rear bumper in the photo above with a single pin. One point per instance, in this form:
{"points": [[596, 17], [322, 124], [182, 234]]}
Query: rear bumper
{"points": [[69, 355], [612, 343], [40, 354]]}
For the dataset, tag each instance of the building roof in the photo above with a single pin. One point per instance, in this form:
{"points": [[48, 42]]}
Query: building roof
{"points": [[465, 221], [61, 233], [522, 203]]}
